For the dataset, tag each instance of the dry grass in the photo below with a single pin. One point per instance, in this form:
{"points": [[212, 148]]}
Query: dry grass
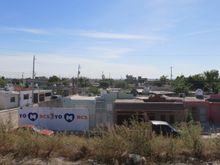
{"points": [[114, 144]]}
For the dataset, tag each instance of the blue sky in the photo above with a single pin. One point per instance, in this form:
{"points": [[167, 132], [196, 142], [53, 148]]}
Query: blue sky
{"points": [[116, 37]]}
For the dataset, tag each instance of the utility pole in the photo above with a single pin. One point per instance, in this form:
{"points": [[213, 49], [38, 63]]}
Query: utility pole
{"points": [[33, 77], [171, 73], [22, 77], [77, 83]]}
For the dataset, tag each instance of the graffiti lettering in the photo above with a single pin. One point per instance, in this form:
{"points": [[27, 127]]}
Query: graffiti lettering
{"points": [[22, 115], [82, 117], [58, 116]]}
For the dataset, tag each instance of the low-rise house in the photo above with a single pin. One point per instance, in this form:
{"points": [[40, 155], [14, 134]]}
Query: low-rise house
{"points": [[150, 108], [9, 99], [26, 99], [42, 95]]}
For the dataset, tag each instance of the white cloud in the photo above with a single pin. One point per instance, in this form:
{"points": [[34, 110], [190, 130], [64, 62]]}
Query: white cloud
{"points": [[23, 30], [149, 38], [107, 35], [196, 33], [118, 36]]}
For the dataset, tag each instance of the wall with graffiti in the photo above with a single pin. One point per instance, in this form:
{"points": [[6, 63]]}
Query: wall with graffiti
{"points": [[59, 119]]}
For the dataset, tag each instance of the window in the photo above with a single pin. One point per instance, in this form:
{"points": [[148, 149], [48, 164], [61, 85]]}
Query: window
{"points": [[47, 94], [156, 129], [41, 97], [26, 96], [166, 129], [12, 100]]}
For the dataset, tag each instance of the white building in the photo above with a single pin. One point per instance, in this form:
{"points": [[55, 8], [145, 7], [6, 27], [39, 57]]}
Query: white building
{"points": [[9, 99], [82, 102], [25, 98], [42, 95], [39, 96]]}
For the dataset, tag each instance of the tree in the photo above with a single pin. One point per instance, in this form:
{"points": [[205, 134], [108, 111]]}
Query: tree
{"points": [[65, 81], [94, 90], [104, 84], [2, 81], [180, 85], [83, 82], [163, 80], [212, 80], [54, 79], [130, 79], [121, 84], [157, 83], [196, 81]]}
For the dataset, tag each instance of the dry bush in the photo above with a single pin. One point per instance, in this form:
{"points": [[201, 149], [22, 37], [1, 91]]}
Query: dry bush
{"points": [[210, 149], [73, 147], [111, 144], [120, 140], [109, 147], [166, 148], [191, 136], [214, 148]]}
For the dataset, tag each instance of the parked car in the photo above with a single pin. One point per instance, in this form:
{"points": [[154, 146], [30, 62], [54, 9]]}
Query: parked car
{"points": [[36, 129], [164, 128]]}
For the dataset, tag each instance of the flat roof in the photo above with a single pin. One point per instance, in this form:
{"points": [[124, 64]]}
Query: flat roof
{"points": [[186, 99], [192, 99], [9, 92], [42, 91], [161, 92], [78, 97], [129, 101]]}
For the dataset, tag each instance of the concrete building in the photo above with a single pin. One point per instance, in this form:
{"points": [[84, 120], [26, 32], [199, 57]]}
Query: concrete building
{"points": [[100, 107], [147, 109], [42, 95], [199, 108], [9, 99], [25, 98], [82, 102], [214, 110], [39, 96]]}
